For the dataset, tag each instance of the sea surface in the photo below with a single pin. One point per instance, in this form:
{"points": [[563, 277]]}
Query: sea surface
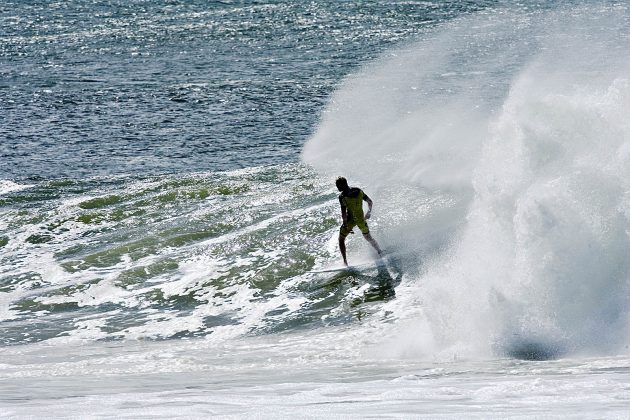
{"points": [[169, 218]]}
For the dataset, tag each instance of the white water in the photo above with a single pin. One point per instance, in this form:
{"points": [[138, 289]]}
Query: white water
{"points": [[298, 376], [515, 128], [10, 186]]}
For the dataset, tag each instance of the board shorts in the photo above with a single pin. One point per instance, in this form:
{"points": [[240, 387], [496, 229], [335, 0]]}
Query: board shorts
{"points": [[347, 228]]}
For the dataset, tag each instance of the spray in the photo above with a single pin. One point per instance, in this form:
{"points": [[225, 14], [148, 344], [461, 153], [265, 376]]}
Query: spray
{"points": [[499, 144]]}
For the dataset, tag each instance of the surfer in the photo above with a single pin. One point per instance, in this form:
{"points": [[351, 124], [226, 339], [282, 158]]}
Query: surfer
{"points": [[351, 201]]}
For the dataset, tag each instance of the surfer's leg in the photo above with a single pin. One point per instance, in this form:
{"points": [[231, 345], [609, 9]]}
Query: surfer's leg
{"points": [[366, 234], [372, 242], [342, 248], [344, 231]]}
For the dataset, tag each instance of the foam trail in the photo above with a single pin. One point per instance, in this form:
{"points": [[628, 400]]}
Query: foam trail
{"points": [[514, 129]]}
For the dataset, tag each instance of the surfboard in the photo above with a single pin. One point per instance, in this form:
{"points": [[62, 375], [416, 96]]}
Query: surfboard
{"points": [[350, 268]]}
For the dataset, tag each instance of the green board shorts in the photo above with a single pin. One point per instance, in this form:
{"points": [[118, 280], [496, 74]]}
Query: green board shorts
{"points": [[347, 228]]}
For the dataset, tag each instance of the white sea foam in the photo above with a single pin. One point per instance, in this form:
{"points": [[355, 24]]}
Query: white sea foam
{"points": [[516, 132], [10, 186]]}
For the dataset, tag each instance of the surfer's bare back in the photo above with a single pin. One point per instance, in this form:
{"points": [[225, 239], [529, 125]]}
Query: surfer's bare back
{"points": [[351, 201]]}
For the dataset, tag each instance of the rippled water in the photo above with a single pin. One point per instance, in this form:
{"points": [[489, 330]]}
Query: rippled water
{"points": [[94, 88]]}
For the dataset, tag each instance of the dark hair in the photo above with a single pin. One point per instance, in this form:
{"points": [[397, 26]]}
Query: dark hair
{"points": [[342, 183]]}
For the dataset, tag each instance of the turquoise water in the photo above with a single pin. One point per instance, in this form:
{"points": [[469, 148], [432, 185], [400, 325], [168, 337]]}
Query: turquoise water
{"points": [[168, 210]]}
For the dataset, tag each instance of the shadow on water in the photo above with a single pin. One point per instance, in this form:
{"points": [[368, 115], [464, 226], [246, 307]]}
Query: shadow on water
{"points": [[383, 283], [533, 350], [382, 280], [338, 297], [522, 345]]}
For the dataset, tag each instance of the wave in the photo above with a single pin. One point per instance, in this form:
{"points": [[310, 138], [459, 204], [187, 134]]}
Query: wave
{"points": [[217, 255], [511, 127]]}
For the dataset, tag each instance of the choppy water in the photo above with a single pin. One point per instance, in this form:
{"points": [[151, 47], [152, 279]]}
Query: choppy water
{"points": [[166, 192], [172, 257], [100, 88]]}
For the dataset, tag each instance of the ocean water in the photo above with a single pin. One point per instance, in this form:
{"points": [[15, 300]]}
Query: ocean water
{"points": [[168, 209]]}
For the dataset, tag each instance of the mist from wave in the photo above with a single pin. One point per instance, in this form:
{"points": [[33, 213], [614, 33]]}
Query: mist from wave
{"points": [[516, 124]]}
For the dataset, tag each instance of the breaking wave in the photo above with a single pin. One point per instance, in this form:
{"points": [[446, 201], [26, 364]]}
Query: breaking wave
{"points": [[499, 145]]}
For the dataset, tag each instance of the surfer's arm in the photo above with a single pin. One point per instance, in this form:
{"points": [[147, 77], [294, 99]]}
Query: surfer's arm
{"points": [[369, 203]]}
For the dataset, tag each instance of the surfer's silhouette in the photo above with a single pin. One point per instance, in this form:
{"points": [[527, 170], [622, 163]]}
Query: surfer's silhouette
{"points": [[351, 200]]}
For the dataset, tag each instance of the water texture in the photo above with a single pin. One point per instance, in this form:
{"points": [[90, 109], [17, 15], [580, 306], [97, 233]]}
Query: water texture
{"points": [[168, 215], [153, 87]]}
